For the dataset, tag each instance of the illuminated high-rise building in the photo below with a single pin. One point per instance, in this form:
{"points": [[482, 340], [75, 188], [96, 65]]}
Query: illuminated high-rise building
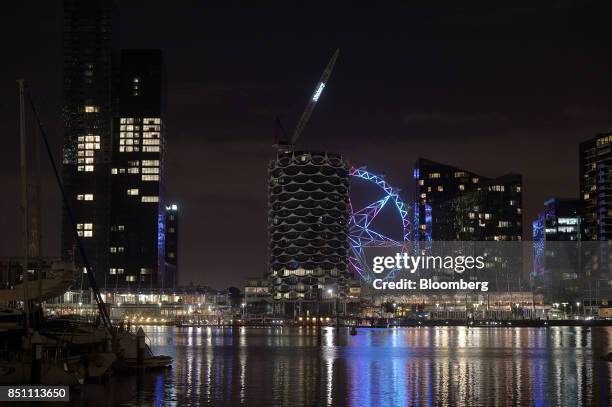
{"points": [[87, 114], [457, 204], [308, 214], [596, 187], [138, 216]]}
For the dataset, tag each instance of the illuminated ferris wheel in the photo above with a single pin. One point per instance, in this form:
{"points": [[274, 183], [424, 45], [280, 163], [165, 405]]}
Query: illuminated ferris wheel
{"points": [[363, 231]]}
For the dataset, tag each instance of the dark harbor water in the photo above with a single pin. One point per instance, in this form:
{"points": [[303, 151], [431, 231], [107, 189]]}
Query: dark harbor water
{"points": [[379, 367]]}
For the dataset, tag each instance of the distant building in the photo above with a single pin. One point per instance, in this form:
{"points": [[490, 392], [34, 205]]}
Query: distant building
{"points": [[137, 230], [171, 251], [308, 214], [456, 204], [11, 269], [556, 233], [87, 114], [596, 187], [257, 297], [596, 208]]}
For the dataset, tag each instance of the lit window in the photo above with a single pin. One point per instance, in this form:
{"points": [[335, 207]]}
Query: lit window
{"points": [[112, 271], [91, 109], [150, 177], [89, 168], [130, 278], [434, 175], [149, 199], [461, 187], [89, 197], [85, 229], [150, 163], [133, 170], [440, 188], [114, 171], [459, 174], [150, 149], [133, 191], [120, 227], [150, 170], [475, 180]]}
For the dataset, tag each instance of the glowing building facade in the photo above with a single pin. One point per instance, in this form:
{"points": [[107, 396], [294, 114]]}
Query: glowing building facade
{"points": [[137, 230], [556, 258], [456, 204], [596, 187], [87, 114], [308, 214]]}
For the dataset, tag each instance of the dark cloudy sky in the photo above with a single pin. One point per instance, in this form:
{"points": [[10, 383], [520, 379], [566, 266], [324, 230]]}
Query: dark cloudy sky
{"points": [[493, 89]]}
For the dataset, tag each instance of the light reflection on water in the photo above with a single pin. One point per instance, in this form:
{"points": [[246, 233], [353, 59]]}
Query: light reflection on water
{"points": [[379, 367]]}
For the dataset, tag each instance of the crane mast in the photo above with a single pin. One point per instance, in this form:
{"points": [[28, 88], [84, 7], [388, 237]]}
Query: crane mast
{"points": [[313, 99]]}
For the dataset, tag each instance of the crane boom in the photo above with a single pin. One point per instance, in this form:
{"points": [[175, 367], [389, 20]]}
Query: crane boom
{"points": [[314, 98]]}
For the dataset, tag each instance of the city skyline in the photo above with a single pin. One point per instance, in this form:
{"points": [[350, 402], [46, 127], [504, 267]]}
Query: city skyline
{"points": [[222, 106]]}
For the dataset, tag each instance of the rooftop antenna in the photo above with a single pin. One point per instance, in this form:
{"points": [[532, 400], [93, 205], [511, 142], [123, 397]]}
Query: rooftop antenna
{"points": [[289, 144]]}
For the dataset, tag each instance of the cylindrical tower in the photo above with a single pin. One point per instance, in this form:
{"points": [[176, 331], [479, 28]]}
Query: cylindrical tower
{"points": [[308, 214]]}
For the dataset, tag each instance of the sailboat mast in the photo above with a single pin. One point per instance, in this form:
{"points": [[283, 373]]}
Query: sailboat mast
{"points": [[24, 199]]}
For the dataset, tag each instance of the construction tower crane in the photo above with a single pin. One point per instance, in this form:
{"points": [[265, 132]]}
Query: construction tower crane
{"points": [[310, 105]]}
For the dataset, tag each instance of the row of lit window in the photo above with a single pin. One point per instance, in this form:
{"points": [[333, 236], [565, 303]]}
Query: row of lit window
{"points": [[604, 140], [150, 134], [146, 177], [117, 249], [89, 146], [114, 228], [85, 197], [89, 139], [128, 142], [149, 199], [114, 271], [145, 149]]}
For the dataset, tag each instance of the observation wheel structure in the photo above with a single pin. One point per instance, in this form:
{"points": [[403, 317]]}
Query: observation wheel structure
{"points": [[362, 233]]}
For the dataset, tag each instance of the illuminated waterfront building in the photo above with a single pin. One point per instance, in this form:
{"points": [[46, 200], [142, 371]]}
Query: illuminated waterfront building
{"points": [[87, 114], [556, 259], [138, 215], [596, 187], [596, 210], [456, 204], [308, 213]]}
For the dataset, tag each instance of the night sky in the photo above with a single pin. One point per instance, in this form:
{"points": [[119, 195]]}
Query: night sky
{"points": [[493, 90]]}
